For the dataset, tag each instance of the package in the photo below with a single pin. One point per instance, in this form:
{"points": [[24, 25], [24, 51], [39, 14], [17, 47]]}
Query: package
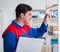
{"points": [[53, 28]]}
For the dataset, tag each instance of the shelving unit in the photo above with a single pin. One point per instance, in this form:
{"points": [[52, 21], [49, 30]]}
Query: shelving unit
{"points": [[54, 22], [36, 22]]}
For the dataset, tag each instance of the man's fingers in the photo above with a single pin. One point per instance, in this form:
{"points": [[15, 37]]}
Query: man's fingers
{"points": [[47, 15]]}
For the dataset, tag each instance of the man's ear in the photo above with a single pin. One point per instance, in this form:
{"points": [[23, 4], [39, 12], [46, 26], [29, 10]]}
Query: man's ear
{"points": [[22, 15]]}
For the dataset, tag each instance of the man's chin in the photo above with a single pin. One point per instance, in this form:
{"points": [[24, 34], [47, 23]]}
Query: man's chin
{"points": [[26, 23]]}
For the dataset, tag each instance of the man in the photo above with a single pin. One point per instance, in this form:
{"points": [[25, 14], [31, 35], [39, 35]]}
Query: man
{"points": [[20, 28]]}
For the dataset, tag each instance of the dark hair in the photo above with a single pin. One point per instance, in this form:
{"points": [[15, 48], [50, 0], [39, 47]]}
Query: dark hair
{"points": [[22, 8]]}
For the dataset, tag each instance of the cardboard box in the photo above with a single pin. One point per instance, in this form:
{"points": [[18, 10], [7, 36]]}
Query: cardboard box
{"points": [[53, 28]]}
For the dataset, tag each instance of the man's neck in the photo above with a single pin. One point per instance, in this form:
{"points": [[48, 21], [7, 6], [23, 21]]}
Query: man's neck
{"points": [[20, 22]]}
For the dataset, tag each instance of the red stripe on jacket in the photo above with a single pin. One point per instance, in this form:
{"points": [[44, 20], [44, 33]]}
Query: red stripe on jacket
{"points": [[17, 31]]}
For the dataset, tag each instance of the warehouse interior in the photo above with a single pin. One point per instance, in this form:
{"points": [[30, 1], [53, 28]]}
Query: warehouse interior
{"points": [[47, 43]]}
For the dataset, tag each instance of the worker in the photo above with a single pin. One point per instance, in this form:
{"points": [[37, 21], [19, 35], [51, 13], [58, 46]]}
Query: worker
{"points": [[20, 28]]}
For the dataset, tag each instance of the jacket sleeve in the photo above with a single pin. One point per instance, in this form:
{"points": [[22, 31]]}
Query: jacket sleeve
{"points": [[9, 41], [38, 32]]}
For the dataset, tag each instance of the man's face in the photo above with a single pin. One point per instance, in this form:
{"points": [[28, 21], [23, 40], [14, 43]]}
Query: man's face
{"points": [[27, 17]]}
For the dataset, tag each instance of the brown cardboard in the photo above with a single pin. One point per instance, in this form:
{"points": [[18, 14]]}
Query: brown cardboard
{"points": [[54, 28]]}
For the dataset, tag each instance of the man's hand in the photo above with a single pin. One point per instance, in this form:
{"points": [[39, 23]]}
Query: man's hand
{"points": [[46, 19]]}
